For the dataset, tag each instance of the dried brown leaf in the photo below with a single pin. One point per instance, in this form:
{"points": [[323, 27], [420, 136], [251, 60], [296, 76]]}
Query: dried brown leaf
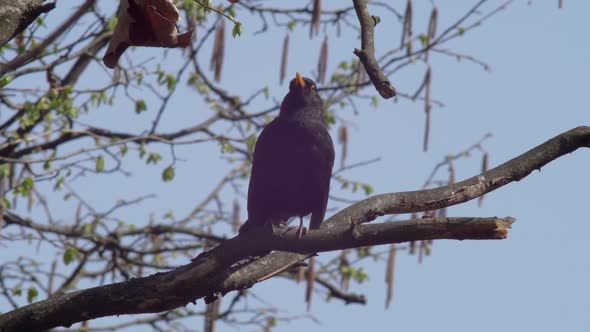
{"points": [[145, 23], [323, 61], [421, 252], [300, 274], [431, 29], [310, 282], [389, 275], [407, 25], [343, 140], [236, 222], [284, 59], [78, 216], [51, 277], [211, 313], [344, 278], [409, 48], [315, 18], [485, 164], [217, 56], [427, 107]]}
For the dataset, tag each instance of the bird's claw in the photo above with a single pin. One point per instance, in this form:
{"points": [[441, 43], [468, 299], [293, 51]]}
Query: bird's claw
{"points": [[278, 229], [301, 231]]}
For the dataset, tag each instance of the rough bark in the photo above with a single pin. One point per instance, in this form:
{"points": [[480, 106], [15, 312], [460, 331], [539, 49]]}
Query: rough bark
{"points": [[16, 15]]}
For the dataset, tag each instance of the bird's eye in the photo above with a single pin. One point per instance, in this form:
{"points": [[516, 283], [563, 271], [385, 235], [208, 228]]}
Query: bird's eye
{"points": [[313, 87]]}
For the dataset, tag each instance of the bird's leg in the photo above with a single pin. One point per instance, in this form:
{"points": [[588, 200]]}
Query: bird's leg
{"points": [[301, 230], [278, 227]]}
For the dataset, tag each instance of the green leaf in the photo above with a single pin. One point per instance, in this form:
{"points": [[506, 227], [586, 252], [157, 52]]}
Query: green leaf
{"points": [[461, 30], [40, 21], [360, 276], [226, 147], [363, 252], [4, 171], [70, 255], [170, 82], [17, 291], [367, 188], [168, 173], [32, 293], [169, 214], [153, 158], [272, 322], [100, 163], [4, 201], [140, 106], [231, 11], [86, 229], [237, 30], [142, 151], [112, 23], [375, 101], [59, 183], [424, 39], [124, 149], [25, 187], [4, 80]]}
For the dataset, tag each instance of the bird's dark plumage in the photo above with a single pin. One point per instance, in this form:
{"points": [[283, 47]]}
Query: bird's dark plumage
{"points": [[292, 163]]}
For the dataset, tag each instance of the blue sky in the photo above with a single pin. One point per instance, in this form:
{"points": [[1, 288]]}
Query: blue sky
{"points": [[536, 88]]}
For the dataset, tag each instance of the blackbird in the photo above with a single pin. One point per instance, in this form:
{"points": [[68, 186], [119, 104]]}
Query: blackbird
{"points": [[292, 163]]}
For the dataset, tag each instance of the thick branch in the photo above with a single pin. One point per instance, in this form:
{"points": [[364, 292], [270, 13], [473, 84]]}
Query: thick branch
{"points": [[203, 277], [34, 52], [15, 16], [213, 272], [460, 192], [367, 52]]}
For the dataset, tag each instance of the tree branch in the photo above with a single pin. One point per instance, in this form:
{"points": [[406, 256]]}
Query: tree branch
{"points": [[34, 52], [216, 271], [426, 200], [367, 52], [206, 276], [16, 16]]}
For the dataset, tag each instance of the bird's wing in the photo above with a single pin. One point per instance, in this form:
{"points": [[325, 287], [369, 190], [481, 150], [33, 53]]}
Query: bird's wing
{"points": [[326, 151], [271, 154]]}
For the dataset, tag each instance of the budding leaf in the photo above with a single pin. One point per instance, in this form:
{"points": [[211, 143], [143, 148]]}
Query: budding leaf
{"points": [[237, 30], [140, 106], [100, 163], [32, 293], [368, 189], [4, 80], [168, 173], [70, 255]]}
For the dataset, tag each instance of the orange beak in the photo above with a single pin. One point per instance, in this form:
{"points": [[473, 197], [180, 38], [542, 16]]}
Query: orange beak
{"points": [[299, 80]]}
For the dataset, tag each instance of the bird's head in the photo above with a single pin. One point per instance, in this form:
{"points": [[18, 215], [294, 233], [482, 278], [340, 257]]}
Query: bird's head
{"points": [[302, 100]]}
